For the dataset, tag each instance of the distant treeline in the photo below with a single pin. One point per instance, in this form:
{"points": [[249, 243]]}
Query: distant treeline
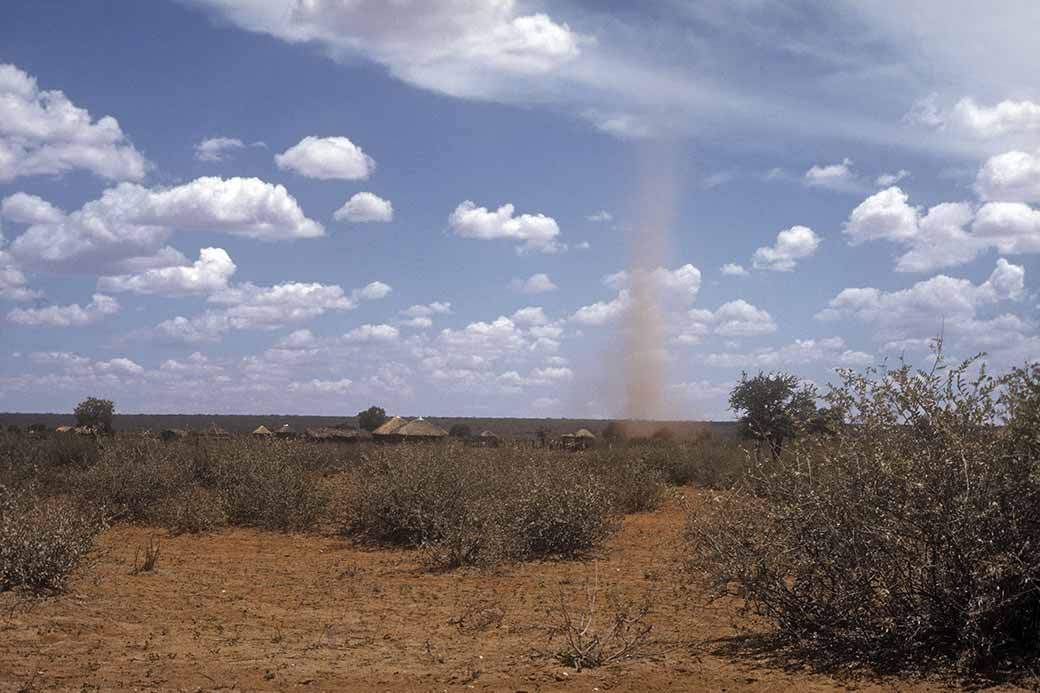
{"points": [[506, 427]]}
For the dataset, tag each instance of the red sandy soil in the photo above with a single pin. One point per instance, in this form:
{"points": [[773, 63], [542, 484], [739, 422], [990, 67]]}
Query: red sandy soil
{"points": [[251, 610]]}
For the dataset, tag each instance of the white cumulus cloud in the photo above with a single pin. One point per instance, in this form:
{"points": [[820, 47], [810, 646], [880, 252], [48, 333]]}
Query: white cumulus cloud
{"points": [[422, 311], [216, 148], [536, 232], [535, 284], [1010, 177], [317, 386], [792, 245], [130, 223], [248, 306], [802, 351], [682, 283], [365, 207], [531, 315], [72, 315], [940, 237], [1004, 118], [208, 274], [886, 180], [373, 333], [327, 158], [733, 319], [929, 301], [465, 48], [1010, 227], [23, 208], [839, 177], [44, 133]]}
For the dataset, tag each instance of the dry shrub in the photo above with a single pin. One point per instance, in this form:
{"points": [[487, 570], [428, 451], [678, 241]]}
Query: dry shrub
{"points": [[193, 511], [710, 460], [556, 508], [910, 533], [269, 488], [145, 561], [604, 630], [135, 478], [479, 507], [635, 485], [41, 540], [408, 496], [197, 486], [66, 450], [45, 461]]}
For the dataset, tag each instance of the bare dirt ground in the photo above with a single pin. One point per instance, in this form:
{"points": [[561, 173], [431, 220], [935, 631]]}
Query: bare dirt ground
{"points": [[249, 610]]}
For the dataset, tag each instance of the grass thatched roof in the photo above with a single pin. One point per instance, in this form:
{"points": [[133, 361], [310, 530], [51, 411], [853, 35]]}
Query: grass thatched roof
{"points": [[421, 428], [262, 430], [584, 433], [390, 427]]}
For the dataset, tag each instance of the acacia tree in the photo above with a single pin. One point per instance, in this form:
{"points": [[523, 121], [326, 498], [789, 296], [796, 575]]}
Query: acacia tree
{"points": [[773, 408], [372, 418], [95, 413]]}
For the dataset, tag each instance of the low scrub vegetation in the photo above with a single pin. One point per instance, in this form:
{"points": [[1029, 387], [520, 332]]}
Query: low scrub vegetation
{"points": [[459, 505], [41, 540], [603, 630], [908, 531], [480, 507]]}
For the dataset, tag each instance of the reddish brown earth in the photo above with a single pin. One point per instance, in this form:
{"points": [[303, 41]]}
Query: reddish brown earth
{"points": [[249, 610]]}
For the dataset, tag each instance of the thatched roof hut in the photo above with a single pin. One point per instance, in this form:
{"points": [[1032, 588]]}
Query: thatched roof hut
{"points": [[583, 438], [337, 435], [390, 427], [262, 430], [400, 430], [64, 429], [485, 439], [285, 431], [421, 428]]}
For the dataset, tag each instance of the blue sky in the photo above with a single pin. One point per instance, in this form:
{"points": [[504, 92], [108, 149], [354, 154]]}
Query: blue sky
{"points": [[311, 206]]}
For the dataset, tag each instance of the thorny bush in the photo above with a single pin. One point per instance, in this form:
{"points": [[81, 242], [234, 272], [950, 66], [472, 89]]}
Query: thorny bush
{"points": [[480, 507], [41, 540], [912, 529]]}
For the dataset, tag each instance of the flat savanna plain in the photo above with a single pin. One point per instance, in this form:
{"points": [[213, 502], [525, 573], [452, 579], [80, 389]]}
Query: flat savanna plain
{"points": [[242, 609]]}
